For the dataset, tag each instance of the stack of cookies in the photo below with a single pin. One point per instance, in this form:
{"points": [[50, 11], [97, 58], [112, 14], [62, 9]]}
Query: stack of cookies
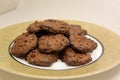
{"points": [[47, 41]]}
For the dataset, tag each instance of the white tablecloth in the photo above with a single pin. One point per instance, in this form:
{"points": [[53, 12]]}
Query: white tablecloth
{"points": [[101, 12]]}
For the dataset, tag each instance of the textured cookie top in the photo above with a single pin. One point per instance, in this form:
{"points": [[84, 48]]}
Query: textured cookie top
{"points": [[82, 44], [37, 58], [72, 57], [23, 44], [56, 26], [52, 43], [50, 25], [77, 30], [34, 27]]}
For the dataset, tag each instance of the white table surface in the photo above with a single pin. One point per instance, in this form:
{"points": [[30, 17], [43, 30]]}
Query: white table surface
{"points": [[101, 12]]}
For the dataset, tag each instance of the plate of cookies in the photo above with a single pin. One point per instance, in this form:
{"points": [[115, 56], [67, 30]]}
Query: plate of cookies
{"points": [[57, 49]]}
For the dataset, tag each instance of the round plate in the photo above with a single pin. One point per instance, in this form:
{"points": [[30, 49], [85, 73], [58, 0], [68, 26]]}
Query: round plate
{"points": [[108, 60], [60, 65]]}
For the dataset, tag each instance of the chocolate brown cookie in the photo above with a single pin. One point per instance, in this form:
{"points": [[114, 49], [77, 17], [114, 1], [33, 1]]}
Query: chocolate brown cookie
{"points": [[55, 26], [73, 58], [34, 27], [82, 44], [23, 44], [77, 30], [52, 43], [41, 59]]}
